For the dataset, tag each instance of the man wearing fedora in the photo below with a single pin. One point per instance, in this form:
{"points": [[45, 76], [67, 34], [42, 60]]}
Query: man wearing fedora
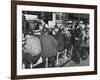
{"points": [[32, 47], [76, 41]]}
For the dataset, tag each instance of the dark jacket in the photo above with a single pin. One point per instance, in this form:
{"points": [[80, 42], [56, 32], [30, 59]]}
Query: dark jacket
{"points": [[60, 41], [48, 44]]}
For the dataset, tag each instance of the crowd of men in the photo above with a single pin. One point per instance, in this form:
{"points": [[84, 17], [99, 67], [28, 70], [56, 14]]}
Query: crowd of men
{"points": [[38, 40]]}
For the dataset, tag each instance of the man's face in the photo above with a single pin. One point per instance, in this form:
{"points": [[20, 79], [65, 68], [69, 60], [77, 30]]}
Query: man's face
{"points": [[33, 24]]}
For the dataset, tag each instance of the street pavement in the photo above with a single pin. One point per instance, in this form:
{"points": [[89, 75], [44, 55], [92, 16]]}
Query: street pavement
{"points": [[82, 63]]}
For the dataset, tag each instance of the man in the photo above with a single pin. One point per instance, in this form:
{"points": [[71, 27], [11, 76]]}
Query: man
{"points": [[48, 50], [32, 48], [60, 39], [85, 44], [67, 37], [76, 41]]}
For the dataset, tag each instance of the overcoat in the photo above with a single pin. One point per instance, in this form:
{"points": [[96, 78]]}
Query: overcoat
{"points": [[60, 41], [48, 46]]}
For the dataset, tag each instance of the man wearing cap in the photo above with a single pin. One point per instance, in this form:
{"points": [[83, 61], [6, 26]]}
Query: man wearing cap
{"points": [[48, 44]]}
